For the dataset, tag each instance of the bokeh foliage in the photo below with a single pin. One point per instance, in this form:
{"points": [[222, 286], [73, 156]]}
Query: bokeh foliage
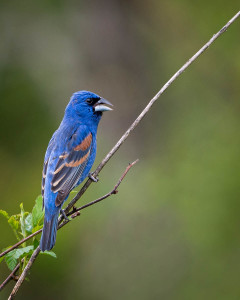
{"points": [[172, 233]]}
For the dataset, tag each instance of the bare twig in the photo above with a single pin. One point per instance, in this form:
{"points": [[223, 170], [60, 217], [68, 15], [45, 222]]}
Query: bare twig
{"points": [[132, 127], [20, 242], [113, 192], [125, 136], [147, 108], [10, 277], [24, 274], [24, 240], [70, 213], [74, 213]]}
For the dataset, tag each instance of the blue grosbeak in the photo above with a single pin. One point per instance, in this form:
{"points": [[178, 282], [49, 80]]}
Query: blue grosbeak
{"points": [[69, 157]]}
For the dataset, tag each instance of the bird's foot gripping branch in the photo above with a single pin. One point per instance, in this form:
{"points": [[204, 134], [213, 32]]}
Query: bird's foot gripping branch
{"points": [[27, 225], [115, 148]]}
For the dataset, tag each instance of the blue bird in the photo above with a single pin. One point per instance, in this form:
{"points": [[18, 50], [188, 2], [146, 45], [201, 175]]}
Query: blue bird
{"points": [[69, 157]]}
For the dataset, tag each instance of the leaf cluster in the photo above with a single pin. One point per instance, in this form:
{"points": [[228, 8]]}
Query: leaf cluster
{"points": [[24, 224]]}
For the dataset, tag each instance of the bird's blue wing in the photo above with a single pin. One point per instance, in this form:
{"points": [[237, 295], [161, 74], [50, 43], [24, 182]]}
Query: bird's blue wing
{"points": [[71, 164], [45, 164]]}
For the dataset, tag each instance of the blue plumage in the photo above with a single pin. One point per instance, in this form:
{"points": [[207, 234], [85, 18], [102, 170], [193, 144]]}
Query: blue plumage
{"points": [[69, 157]]}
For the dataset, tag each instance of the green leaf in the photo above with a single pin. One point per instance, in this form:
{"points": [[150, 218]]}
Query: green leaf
{"points": [[36, 228], [50, 253], [14, 223], [4, 213], [37, 212], [1, 259], [28, 223], [22, 221], [12, 257], [11, 261]]}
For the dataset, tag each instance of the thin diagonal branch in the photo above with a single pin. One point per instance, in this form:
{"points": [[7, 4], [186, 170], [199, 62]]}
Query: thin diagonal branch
{"points": [[24, 274], [113, 192], [132, 127], [20, 242], [10, 277], [147, 108], [126, 134], [74, 213], [71, 213]]}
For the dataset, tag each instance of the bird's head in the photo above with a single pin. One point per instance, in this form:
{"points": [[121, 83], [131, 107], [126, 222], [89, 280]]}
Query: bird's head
{"points": [[87, 106]]}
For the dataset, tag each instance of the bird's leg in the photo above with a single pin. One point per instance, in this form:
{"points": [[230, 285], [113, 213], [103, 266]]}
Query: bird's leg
{"points": [[94, 179], [64, 215]]}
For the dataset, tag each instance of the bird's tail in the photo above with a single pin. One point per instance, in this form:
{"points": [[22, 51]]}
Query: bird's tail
{"points": [[48, 238]]}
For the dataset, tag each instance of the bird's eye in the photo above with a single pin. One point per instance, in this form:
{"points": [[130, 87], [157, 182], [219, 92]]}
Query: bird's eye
{"points": [[89, 101]]}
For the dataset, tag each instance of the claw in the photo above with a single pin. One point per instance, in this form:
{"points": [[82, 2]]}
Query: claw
{"points": [[64, 215], [90, 175]]}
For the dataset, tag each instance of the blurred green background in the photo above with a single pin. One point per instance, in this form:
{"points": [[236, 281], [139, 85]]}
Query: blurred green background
{"points": [[172, 232]]}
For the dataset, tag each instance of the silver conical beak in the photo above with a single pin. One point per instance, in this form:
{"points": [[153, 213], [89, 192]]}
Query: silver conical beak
{"points": [[103, 105]]}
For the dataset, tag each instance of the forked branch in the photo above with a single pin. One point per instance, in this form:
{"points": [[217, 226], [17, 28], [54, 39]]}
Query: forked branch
{"points": [[125, 136], [74, 213]]}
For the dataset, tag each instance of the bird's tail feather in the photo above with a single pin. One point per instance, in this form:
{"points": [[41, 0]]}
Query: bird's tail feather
{"points": [[49, 233]]}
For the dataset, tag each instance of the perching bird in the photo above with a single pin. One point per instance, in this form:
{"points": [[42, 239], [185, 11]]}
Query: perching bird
{"points": [[69, 157]]}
